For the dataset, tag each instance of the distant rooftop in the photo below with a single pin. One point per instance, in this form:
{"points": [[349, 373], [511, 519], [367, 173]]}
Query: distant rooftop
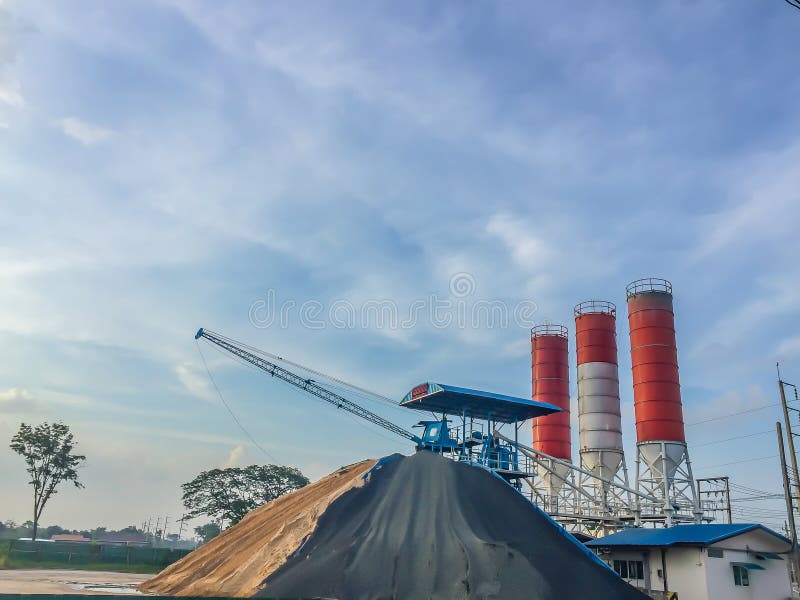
{"points": [[456, 401], [69, 537], [698, 535]]}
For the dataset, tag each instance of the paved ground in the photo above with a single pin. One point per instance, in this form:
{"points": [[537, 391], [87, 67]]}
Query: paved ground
{"points": [[46, 581]]}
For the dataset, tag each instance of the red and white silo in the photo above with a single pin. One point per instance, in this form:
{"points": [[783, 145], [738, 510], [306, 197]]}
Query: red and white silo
{"points": [[550, 383], [663, 469], [599, 416]]}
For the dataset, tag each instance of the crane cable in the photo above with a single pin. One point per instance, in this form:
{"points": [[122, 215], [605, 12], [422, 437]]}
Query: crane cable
{"points": [[255, 350], [230, 411]]}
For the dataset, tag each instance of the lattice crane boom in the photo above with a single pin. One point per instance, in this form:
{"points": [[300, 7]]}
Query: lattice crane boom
{"points": [[303, 383]]}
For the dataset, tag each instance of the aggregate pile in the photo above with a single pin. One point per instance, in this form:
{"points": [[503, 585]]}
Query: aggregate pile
{"points": [[236, 562], [421, 526], [428, 527]]}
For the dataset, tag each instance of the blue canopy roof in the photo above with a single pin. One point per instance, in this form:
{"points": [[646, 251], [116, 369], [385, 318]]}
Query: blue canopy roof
{"points": [[456, 401], [698, 535]]}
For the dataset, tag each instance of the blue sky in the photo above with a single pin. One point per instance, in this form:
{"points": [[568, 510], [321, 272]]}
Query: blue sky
{"points": [[164, 165]]}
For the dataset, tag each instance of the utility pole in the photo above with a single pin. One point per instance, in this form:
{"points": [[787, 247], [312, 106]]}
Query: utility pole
{"points": [[728, 500], [789, 435], [789, 504], [182, 521]]}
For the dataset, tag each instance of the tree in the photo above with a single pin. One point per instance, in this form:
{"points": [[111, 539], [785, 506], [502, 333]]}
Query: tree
{"points": [[207, 531], [48, 451], [227, 495], [53, 530]]}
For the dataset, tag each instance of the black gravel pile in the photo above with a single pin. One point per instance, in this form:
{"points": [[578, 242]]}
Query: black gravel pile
{"points": [[427, 527]]}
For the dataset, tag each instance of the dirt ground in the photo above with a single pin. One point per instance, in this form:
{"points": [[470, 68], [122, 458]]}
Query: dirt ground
{"points": [[47, 581]]}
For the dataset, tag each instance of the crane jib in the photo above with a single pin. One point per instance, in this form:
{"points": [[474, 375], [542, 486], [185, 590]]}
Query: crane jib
{"points": [[302, 383]]}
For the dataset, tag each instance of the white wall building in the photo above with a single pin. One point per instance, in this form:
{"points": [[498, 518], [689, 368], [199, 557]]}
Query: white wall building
{"points": [[701, 562]]}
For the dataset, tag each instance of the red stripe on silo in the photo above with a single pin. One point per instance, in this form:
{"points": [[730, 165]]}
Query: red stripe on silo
{"points": [[596, 337], [654, 358], [550, 383]]}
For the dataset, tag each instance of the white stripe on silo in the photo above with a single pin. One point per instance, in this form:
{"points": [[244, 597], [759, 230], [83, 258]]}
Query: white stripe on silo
{"points": [[599, 416]]}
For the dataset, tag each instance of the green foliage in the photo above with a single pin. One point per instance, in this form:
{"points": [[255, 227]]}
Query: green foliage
{"points": [[48, 450], [4, 549], [207, 531], [227, 495]]}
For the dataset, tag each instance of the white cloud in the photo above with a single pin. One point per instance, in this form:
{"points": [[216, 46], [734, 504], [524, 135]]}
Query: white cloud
{"points": [[789, 347], [17, 400], [768, 185], [527, 249], [774, 297], [86, 133], [195, 382], [234, 457], [10, 94]]}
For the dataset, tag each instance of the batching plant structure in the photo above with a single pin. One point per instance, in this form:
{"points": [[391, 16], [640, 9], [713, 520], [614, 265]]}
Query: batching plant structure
{"points": [[599, 417], [663, 469], [551, 433]]}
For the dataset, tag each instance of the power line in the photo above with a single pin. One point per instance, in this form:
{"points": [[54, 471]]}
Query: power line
{"points": [[736, 437], [230, 411], [748, 489], [793, 3], [737, 462], [758, 498], [735, 414]]}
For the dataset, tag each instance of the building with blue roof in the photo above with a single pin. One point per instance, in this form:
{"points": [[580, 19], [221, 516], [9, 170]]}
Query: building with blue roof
{"points": [[701, 561]]}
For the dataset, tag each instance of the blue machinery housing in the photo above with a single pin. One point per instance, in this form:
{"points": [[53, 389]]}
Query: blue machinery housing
{"points": [[464, 403]]}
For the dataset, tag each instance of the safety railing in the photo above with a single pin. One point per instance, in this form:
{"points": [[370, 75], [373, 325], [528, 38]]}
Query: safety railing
{"points": [[648, 284], [594, 307], [548, 329]]}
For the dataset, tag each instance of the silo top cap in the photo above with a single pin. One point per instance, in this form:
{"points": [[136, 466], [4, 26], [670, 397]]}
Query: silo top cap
{"points": [[648, 285], [594, 307], [548, 329]]}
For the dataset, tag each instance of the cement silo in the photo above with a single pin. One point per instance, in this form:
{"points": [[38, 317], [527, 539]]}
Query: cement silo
{"points": [[663, 468], [550, 383], [599, 415]]}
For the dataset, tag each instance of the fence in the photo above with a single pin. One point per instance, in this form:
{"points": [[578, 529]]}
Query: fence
{"points": [[90, 553]]}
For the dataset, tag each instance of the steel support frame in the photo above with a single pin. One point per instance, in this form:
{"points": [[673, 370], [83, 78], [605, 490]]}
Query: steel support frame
{"points": [[677, 495]]}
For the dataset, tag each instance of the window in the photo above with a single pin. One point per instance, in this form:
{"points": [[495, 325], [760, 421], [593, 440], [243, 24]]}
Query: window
{"points": [[715, 553], [740, 576], [636, 569], [629, 569], [621, 567]]}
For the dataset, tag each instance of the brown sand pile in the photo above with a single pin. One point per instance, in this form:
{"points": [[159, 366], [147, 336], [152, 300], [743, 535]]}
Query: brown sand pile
{"points": [[237, 562]]}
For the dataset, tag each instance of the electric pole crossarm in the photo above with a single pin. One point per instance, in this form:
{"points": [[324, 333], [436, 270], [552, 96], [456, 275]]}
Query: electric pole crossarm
{"points": [[305, 384]]}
